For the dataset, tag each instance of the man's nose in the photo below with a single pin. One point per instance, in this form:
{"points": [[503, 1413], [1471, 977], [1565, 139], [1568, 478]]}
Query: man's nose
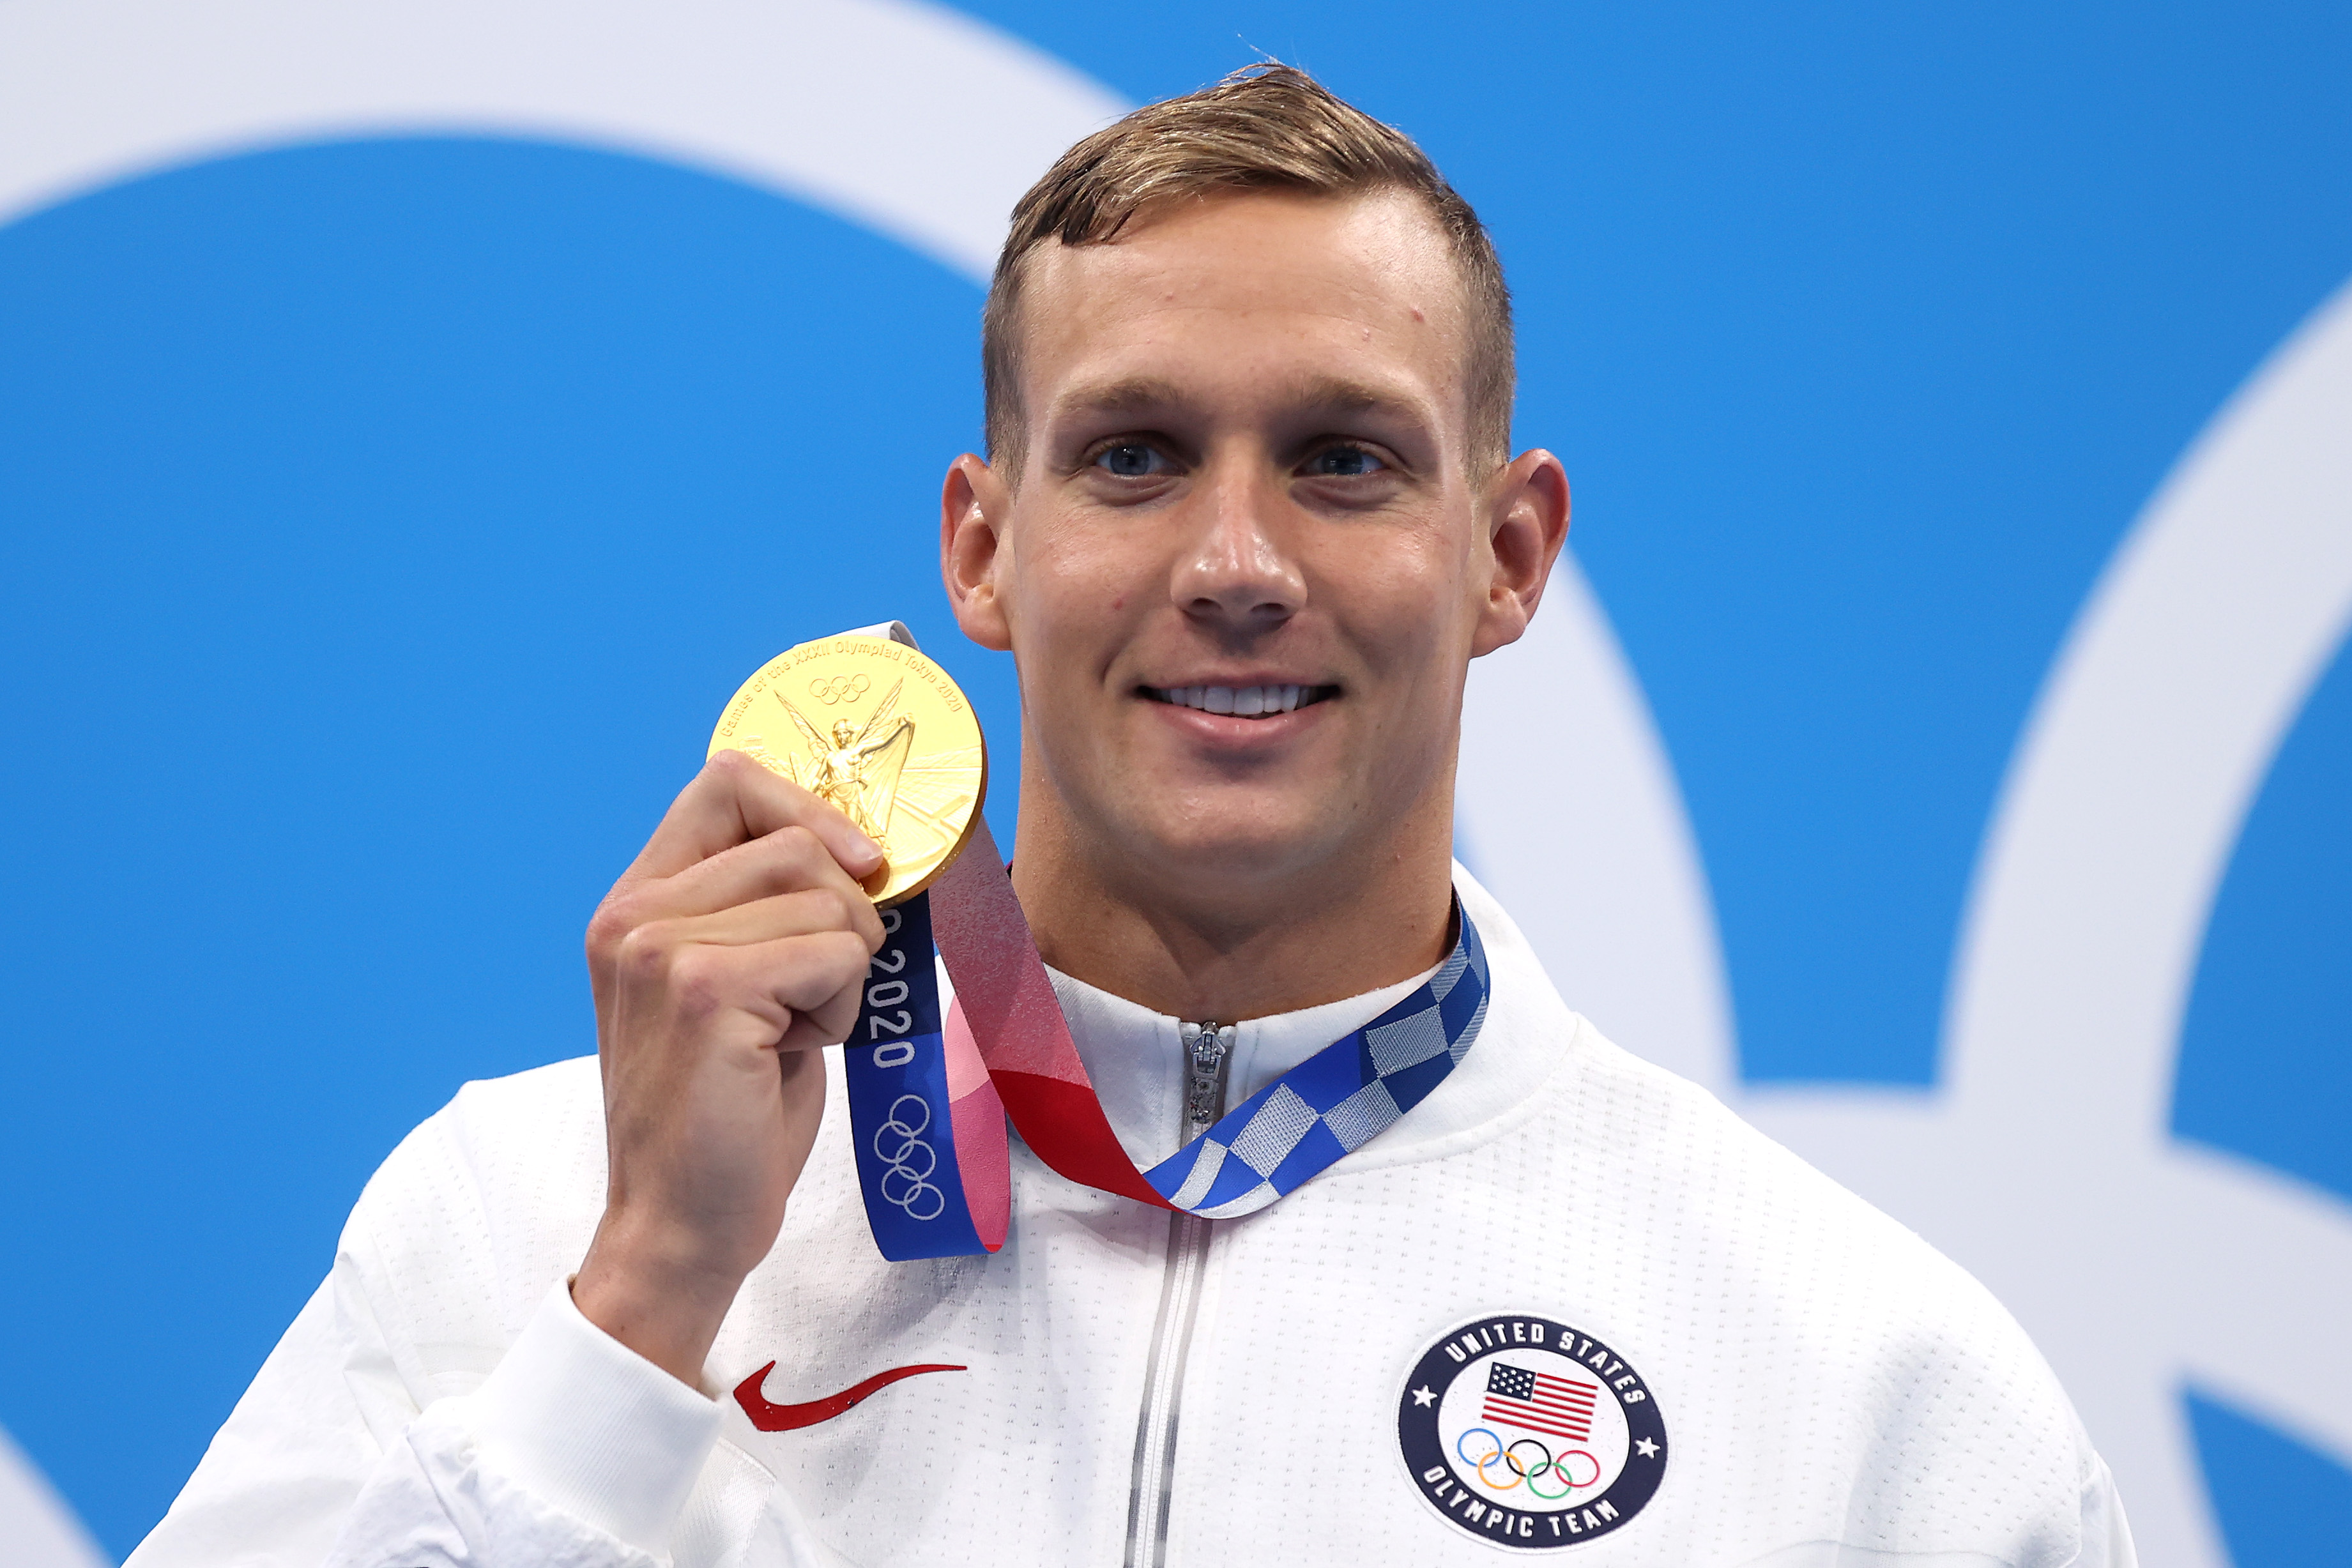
{"points": [[1235, 568]]}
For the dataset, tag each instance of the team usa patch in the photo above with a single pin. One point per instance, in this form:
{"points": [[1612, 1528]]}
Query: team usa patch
{"points": [[1525, 1432]]}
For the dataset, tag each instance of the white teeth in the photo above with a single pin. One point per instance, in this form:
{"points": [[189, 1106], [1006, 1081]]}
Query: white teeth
{"points": [[1244, 702]]}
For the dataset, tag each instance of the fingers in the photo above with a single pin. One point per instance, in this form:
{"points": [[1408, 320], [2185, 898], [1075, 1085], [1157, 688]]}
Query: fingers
{"points": [[790, 860], [789, 991], [801, 913], [734, 800]]}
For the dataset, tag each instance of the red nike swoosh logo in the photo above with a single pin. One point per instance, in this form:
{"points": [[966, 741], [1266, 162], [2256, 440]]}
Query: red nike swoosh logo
{"points": [[770, 1416]]}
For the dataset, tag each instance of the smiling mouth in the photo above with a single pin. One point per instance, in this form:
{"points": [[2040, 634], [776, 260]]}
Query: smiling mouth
{"points": [[1242, 702]]}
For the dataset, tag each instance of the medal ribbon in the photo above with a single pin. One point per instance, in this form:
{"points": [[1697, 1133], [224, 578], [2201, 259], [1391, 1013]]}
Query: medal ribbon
{"points": [[928, 1094]]}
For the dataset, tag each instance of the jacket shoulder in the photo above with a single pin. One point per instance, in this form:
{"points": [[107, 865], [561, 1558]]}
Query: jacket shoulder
{"points": [[480, 1208], [1955, 1429]]}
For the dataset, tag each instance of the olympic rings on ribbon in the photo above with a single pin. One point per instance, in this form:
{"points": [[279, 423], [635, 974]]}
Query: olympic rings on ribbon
{"points": [[832, 689], [902, 1183]]}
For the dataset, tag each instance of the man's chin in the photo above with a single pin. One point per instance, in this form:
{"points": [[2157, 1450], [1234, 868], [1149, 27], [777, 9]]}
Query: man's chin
{"points": [[1232, 855]]}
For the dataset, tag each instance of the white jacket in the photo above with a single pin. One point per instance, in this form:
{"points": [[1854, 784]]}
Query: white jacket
{"points": [[1147, 1389]]}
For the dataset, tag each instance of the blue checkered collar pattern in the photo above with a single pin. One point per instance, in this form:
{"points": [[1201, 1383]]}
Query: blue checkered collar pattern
{"points": [[1336, 1100]]}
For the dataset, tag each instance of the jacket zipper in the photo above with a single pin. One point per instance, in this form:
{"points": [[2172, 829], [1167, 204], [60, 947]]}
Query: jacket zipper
{"points": [[1208, 1052]]}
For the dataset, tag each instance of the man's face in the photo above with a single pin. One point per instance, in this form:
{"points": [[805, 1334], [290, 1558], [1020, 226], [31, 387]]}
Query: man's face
{"points": [[1248, 557]]}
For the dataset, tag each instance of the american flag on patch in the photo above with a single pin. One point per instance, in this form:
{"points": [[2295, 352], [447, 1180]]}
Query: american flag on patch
{"points": [[1539, 1402]]}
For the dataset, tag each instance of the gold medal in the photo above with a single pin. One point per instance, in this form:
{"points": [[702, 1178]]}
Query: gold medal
{"points": [[880, 732]]}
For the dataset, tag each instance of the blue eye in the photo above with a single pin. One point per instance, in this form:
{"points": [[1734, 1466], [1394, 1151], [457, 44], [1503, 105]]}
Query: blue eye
{"points": [[1343, 463], [1131, 460]]}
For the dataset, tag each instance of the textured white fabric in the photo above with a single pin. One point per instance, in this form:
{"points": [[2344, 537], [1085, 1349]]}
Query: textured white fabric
{"points": [[1835, 1392], [571, 1416]]}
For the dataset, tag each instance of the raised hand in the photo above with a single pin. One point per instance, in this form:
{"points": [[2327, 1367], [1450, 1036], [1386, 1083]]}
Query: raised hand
{"points": [[733, 947]]}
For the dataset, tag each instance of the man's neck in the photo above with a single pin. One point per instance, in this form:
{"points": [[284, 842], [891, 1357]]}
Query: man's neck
{"points": [[1242, 946]]}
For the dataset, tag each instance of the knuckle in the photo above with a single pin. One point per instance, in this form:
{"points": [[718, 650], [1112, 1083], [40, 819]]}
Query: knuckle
{"points": [[615, 919], [697, 981], [829, 968], [845, 954], [798, 853], [604, 935], [642, 953], [731, 765]]}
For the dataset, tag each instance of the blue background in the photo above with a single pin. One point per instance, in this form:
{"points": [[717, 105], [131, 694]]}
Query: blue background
{"points": [[381, 525]]}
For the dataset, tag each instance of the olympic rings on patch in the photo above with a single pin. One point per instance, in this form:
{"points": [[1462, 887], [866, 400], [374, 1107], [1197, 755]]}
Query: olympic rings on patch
{"points": [[1511, 1455], [1529, 1468], [1562, 1464], [899, 1145], [832, 689], [1499, 1455], [1548, 1462], [1505, 1461], [1492, 1454]]}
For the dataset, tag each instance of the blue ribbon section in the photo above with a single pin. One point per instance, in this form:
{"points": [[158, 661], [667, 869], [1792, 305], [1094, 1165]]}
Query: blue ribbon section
{"points": [[900, 1118]]}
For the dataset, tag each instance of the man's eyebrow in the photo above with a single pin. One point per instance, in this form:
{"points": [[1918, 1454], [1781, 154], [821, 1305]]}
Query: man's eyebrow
{"points": [[1135, 395], [1142, 394], [1342, 396]]}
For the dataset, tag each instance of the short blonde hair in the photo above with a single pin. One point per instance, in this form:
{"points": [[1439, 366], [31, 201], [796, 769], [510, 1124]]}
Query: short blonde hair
{"points": [[1264, 128]]}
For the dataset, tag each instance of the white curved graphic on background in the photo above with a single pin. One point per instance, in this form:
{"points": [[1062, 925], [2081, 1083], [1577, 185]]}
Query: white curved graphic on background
{"points": [[2046, 1165], [40, 1531], [922, 124], [1570, 815], [912, 120]]}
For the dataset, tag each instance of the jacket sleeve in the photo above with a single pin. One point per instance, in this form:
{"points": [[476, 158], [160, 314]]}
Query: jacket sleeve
{"points": [[576, 1452], [573, 1453], [2107, 1537]]}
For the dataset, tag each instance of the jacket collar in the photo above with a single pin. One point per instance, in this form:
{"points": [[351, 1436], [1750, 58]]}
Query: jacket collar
{"points": [[1136, 1056]]}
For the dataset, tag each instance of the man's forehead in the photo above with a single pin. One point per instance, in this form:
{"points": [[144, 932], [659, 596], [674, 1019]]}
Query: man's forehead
{"points": [[1365, 285]]}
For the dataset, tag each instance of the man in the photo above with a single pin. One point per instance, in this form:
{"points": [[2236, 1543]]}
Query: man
{"points": [[1248, 513]]}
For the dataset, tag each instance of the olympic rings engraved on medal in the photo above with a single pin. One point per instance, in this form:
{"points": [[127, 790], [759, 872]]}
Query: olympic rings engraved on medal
{"points": [[912, 1184], [833, 689]]}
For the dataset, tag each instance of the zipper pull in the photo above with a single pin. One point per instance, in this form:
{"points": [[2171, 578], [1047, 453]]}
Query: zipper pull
{"points": [[1205, 1048]]}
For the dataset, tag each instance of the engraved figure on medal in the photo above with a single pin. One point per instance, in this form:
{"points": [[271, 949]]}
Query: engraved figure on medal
{"points": [[858, 769]]}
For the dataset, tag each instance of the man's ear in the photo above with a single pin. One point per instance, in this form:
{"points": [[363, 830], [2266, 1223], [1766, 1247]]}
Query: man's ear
{"points": [[973, 505], [1526, 524]]}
